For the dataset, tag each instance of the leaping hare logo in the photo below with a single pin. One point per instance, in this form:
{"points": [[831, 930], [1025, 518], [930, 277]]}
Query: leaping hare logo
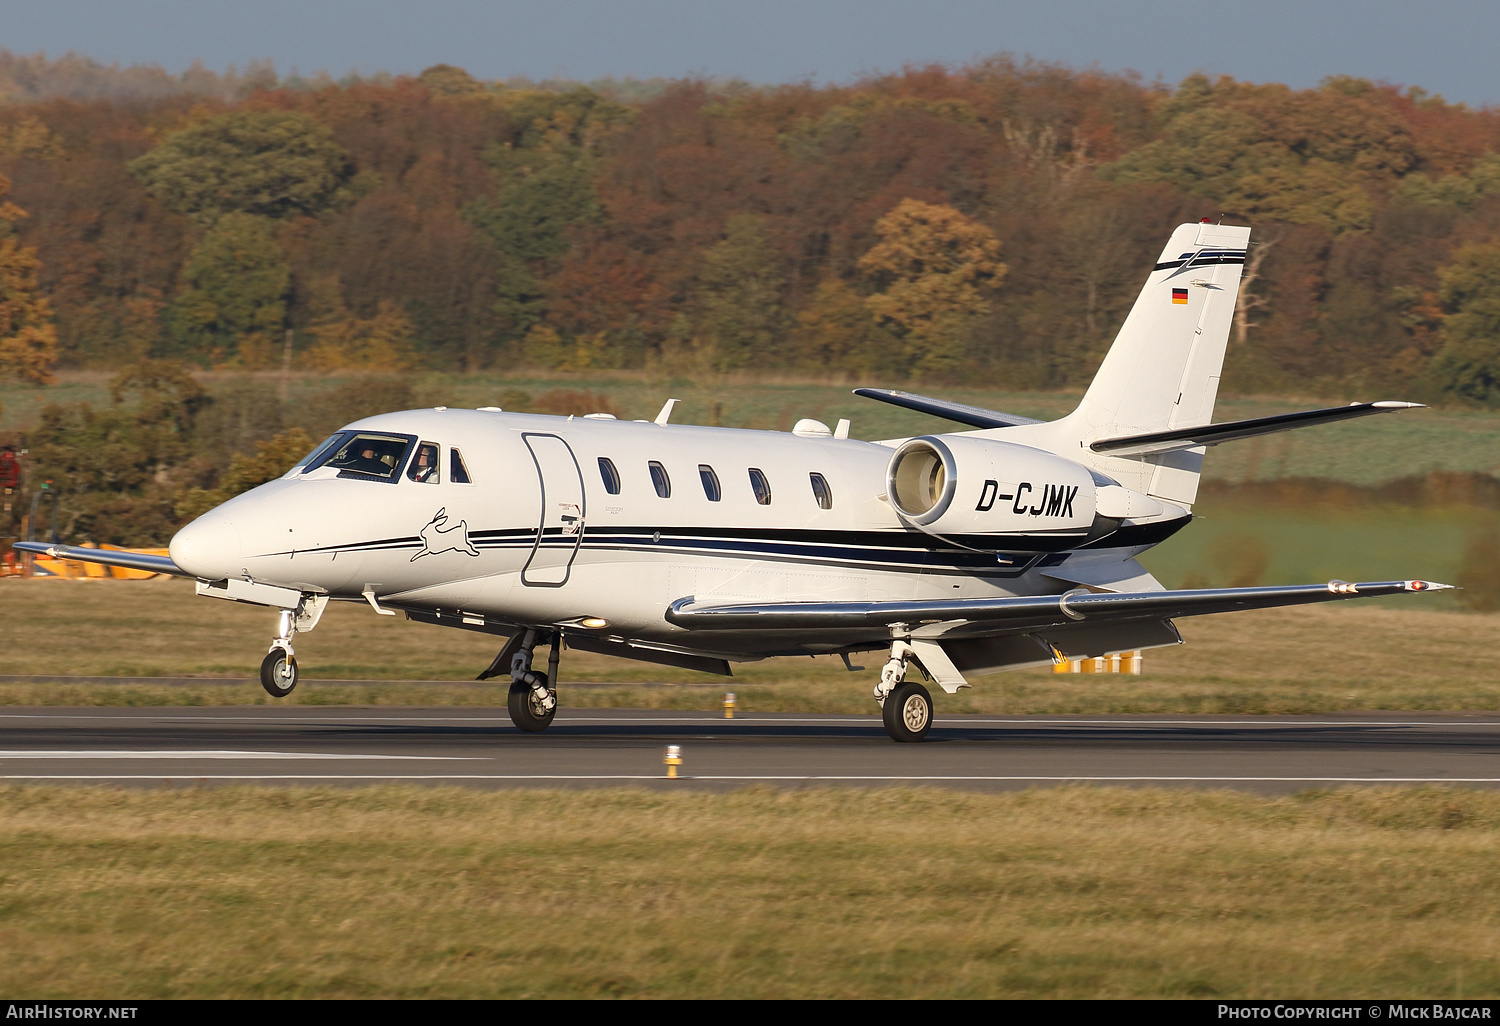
{"points": [[437, 539]]}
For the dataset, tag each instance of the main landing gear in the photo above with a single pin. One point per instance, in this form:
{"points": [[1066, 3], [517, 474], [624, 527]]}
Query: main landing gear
{"points": [[532, 701], [905, 706]]}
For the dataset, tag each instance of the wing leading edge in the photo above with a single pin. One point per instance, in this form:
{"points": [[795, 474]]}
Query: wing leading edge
{"points": [[1006, 615], [108, 557]]}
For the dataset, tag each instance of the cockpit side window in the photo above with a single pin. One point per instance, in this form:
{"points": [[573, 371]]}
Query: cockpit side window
{"points": [[424, 465], [370, 456], [320, 455], [457, 472]]}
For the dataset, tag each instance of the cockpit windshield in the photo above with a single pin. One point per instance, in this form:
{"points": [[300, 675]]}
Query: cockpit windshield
{"points": [[365, 455], [319, 455]]}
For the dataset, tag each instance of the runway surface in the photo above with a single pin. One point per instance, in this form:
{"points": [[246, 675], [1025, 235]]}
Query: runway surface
{"points": [[607, 747]]}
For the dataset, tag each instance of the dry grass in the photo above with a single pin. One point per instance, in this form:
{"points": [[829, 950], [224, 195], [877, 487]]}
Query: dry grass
{"points": [[1315, 659], [1074, 892]]}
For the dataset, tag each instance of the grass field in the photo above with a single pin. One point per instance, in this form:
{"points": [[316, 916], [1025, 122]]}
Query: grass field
{"points": [[1070, 893], [1366, 452], [1314, 659]]}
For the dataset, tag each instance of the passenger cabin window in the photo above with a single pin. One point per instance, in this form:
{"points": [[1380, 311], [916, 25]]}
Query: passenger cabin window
{"points": [[760, 486], [821, 491], [609, 475], [660, 481], [424, 465], [710, 482], [457, 472], [368, 456]]}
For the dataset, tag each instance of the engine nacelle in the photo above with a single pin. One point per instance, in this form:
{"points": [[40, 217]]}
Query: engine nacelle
{"points": [[958, 486]]}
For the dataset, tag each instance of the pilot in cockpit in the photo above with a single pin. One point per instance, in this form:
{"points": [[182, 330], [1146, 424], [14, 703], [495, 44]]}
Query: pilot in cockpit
{"points": [[424, 465]]}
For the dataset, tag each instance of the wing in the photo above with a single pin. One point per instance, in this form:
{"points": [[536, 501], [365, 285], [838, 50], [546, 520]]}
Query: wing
{"points": [[108, 557], [987, 617], [1213, 434], [974, 416]]}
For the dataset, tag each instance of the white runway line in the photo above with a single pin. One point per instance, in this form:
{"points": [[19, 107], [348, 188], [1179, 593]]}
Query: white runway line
{"points": [[24, 754], [764, 719], [750, 778]]}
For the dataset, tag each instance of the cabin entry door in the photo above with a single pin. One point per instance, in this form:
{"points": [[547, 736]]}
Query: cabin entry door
{"points": [[560, 529]]}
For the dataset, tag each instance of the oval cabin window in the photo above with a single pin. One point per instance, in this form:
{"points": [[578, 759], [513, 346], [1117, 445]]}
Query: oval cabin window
{"points": [[609, 475], [761, 486], [710, 480], [660, 481], [821, 491]]}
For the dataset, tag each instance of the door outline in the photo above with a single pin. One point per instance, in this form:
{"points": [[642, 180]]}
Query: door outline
{"points": [[560, 485]]}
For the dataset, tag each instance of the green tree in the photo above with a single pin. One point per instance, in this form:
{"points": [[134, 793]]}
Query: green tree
{"points": [[932, 268], [1468, 364], [737, 299], [268, 163], [448, 80], [272, 458], [835, 333], [234, 304], [544, 173], [117, 469], [1267, 152], [1463, 191]]}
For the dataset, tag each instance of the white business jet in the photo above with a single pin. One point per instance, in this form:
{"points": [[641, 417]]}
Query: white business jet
{"points": [[968, 552]]}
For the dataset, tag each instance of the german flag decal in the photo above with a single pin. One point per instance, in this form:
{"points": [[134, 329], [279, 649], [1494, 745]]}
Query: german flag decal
{"points": [[1179, 296]]}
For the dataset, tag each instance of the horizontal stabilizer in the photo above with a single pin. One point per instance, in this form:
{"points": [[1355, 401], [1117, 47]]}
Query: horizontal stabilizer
{"points": [[1022, 613], [974, 416], [1213, 434], [108, 557]]}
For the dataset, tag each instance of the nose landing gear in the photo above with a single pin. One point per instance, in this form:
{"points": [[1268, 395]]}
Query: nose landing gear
{"points": [[278, 670]]}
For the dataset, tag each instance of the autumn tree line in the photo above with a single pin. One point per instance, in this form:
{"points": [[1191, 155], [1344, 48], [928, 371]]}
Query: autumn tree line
{"points": [[986, 225]]}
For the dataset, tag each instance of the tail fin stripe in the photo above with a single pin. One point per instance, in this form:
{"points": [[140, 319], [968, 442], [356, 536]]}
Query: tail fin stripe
{"points": [[1203, 260]]}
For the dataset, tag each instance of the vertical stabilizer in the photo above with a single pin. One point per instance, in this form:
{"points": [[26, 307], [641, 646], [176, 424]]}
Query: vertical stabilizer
{"points": [[1162, 371]]}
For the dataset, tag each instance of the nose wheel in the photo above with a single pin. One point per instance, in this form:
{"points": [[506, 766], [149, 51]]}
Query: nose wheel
{"points": [[278, 672]]}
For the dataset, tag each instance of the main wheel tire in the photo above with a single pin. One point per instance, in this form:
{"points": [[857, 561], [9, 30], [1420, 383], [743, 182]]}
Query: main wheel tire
{"points": [[525, 711], [278, 673], [907, 712]]}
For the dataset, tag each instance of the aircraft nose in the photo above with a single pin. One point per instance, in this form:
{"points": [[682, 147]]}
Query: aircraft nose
{"points": [[209, 547]]}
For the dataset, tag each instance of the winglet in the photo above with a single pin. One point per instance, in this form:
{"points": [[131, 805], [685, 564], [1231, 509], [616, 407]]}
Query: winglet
{"points": [[666, 412]]}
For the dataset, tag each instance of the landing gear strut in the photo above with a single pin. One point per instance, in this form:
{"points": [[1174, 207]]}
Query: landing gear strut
{"points": [[532, 701], [905, 706], [278, 670]]}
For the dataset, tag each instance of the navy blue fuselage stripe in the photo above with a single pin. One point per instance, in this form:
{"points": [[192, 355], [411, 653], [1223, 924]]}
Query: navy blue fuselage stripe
{"points": [[876, 547]]}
